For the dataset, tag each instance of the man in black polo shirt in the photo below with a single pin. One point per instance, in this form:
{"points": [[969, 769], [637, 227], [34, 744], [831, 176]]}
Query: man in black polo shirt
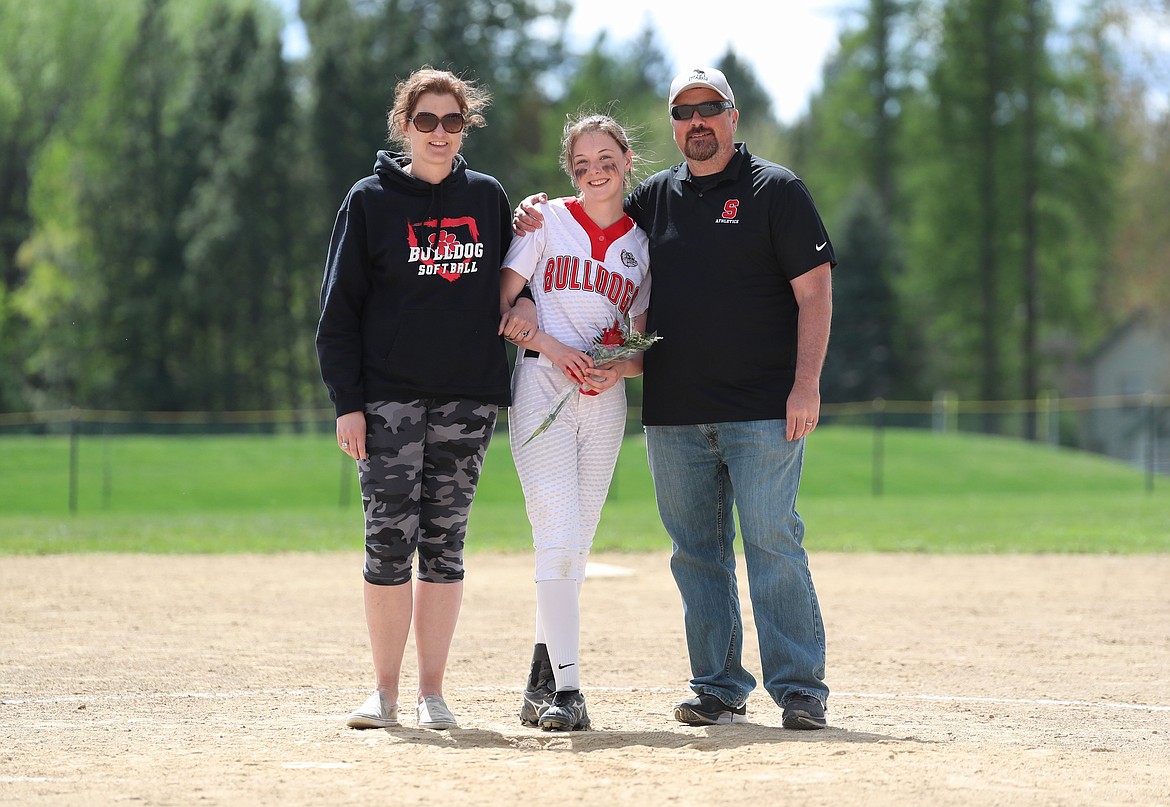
{"points": [[742, 299]]}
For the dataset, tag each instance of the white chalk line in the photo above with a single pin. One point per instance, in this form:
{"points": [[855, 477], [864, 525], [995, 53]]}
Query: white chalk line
{"points": [[290, 693]]}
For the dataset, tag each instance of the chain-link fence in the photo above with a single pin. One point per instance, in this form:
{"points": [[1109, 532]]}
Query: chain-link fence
{"points": [[1134, 429]]}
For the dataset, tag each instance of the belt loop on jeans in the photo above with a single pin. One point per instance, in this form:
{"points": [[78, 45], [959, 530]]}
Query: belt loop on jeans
{"points": [[531, 354]]}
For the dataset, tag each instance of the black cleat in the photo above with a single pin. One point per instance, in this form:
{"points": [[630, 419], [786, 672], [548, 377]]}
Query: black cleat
{"points": [[568, 712], [536, 702], [540, 689]]}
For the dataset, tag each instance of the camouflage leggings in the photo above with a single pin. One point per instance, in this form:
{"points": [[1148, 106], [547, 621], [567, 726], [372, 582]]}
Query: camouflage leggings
{"points": [[424, 462]]}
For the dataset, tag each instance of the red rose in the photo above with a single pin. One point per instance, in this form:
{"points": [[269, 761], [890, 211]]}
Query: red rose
{"points": [[613, 335]]}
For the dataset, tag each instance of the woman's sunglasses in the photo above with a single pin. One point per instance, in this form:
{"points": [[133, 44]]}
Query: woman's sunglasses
{"points": [[707, 109], [427, 122]]}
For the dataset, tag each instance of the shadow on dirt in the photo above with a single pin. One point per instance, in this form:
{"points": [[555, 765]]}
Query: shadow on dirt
{"points": [[705, 738]]}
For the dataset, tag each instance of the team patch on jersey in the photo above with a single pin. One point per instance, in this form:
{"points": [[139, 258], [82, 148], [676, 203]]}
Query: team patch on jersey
{"points": [[628, 259], [449, 249], [730, 212]]}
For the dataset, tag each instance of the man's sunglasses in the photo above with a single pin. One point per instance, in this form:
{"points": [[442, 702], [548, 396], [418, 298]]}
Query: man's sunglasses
{"points": [[427, 122], [707, 109]]}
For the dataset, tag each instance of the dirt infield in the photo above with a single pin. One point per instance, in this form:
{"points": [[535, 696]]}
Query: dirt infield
{"points": [[225, 680]]}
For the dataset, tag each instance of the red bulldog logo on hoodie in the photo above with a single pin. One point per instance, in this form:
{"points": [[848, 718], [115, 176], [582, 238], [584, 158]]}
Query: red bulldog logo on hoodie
{"points": [[449, 248]]}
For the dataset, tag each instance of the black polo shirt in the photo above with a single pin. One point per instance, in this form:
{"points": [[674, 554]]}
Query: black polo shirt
{"points": [[723, 249]]}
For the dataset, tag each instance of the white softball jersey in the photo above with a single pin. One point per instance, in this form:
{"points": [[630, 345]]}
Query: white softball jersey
{"points": [[582, 278]]}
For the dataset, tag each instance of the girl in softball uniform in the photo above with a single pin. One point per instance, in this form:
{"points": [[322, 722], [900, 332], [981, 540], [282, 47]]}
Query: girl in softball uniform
{"points": [[587, 268]]}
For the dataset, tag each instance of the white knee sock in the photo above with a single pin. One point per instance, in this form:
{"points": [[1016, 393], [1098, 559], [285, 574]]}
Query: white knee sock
{"points": [[559, 613], [539, 637]]}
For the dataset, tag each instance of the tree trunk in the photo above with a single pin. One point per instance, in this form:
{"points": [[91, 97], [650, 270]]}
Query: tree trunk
{"points": [[1031, 278], [989, 282]]}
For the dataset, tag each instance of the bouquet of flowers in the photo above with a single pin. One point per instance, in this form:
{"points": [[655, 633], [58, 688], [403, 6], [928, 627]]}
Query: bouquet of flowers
{"points": [[618, 342]]}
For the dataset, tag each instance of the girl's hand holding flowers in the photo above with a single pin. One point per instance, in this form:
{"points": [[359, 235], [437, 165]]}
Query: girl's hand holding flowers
{"points": [[573, 363], [599, 379], [615, 344]]}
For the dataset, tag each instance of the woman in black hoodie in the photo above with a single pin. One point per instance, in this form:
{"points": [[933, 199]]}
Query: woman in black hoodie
{"points": [[411, 347]]}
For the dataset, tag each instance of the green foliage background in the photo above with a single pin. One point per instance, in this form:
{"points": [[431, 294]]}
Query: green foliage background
{"points": [[994, 181]]}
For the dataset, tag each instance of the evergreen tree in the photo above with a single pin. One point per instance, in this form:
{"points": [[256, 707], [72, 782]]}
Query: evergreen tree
{"points": [[236, 224], [853, 130], [1004, 132], [863, 362], [182, 219], [852, 149], [168, 181], [53, 56], [131, 198], [758, 127], [627, 80], [359, 51]]}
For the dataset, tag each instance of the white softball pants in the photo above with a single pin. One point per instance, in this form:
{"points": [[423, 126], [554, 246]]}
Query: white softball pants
{"points": [[565, 472]]}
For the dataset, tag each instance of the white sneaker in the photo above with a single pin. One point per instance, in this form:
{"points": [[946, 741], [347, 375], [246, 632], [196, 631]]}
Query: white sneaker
{"points": [[434, 714], [375, 713]]}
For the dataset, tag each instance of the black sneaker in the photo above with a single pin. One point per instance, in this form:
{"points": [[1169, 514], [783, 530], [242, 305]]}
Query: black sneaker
{"points": [[804, 712], [708, 710], [567, 713]]}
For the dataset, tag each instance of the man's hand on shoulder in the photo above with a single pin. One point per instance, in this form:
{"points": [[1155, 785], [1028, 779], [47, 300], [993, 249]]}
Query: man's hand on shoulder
{"points": [[527, 218]]}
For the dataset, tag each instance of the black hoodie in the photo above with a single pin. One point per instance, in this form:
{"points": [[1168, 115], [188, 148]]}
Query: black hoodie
{"points": [[410, 303]]}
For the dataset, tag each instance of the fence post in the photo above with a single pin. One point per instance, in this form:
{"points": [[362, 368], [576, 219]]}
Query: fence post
{"points": [[1151, 440], [1044, 418], [74, 439], [1053, 399], [879, 408], [107, 469], [944, 412]]}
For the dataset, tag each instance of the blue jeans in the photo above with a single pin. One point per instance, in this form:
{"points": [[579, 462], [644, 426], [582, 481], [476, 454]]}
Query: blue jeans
{"points": [[701, 474]]}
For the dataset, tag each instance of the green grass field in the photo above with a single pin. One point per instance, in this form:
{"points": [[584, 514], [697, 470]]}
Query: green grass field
{"points": [[939, 493]]}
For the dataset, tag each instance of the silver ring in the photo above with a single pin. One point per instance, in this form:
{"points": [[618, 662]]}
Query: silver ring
{"points": [[345, 445], [808, 423]]}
